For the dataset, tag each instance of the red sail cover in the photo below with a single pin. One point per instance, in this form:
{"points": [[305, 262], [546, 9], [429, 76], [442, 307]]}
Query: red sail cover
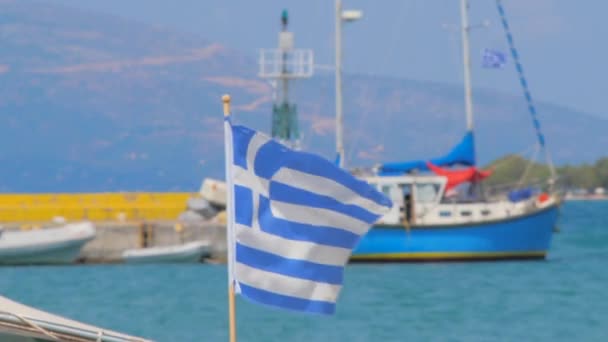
{"points": [[456, 177]]}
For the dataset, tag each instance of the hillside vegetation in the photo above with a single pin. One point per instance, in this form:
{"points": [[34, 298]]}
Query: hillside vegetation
{"points": [[512, 168]]}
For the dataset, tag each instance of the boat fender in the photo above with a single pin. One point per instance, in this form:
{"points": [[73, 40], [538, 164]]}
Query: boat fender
{"points": [[541, 199]]}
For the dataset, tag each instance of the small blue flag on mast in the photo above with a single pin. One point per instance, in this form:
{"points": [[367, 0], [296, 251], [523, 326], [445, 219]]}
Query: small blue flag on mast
{"points": [[296, 219], [493, 59]]}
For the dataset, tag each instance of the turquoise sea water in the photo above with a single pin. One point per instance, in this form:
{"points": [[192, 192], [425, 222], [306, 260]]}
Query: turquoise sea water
{"points": [[564, 298]]}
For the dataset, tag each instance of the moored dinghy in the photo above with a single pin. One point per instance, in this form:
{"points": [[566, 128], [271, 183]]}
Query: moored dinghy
{"points": [[56, 245], [21, 323], [187, 252]]}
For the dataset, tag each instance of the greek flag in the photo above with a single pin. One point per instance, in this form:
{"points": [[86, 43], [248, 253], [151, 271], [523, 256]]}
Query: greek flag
{"points": [[296, 219], [493, 59]]}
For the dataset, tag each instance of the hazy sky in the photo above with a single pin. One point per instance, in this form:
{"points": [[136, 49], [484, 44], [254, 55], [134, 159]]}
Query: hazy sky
{"points": [[561, 42]]}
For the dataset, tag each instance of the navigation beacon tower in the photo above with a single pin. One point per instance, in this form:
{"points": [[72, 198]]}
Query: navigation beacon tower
{"points": [[281, 66]]}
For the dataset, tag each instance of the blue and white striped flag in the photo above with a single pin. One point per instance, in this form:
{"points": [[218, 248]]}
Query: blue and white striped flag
{"points": [[296, 219], [493, 58]]}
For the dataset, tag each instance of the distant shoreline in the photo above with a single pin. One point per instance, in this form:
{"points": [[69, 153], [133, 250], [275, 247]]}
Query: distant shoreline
{"points": [[586, 198]]}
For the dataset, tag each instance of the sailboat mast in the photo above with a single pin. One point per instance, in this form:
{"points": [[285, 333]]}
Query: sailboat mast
{"points": [[466, 60], [339, 114]]}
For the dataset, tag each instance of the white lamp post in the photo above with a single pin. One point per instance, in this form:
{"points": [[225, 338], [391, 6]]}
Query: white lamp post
{"points": [[346, 16]]}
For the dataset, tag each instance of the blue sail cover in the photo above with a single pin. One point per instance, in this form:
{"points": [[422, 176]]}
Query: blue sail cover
{"points": [[461, 154]]}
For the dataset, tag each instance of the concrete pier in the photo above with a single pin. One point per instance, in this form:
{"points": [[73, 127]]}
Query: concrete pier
{"points": [[113, 238]]}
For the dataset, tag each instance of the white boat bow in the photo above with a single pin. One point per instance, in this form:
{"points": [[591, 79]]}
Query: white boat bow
{"points": [[55, 245], [21, 323]]}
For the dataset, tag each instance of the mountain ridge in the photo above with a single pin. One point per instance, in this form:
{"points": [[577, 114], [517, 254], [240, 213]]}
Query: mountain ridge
{"points": [[97, 103]]}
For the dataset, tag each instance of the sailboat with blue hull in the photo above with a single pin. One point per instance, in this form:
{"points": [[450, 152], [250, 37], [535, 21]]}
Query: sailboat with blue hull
{"points": [[430, 228], [441, 211], [431, 221]]}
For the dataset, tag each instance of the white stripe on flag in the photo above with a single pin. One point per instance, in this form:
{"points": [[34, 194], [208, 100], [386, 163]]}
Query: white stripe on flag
{"points": [[326, 187], [257, 141], [257, 185], [291, 249], [230, 203], [288, 286], [317, 217], [249, 180]]}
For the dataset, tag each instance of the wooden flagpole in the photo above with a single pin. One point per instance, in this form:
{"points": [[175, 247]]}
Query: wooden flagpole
{"points": [[229, 223], [232, 312]]}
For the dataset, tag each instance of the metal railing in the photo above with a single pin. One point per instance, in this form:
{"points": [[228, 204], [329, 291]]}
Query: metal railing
{"points": [[278, 63]]}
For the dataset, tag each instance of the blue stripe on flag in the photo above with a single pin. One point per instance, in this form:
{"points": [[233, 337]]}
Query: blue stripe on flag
{"points": [[273, 156], [328, 236], [300, 269], [287, 302], [243, 209], [241, 136], [289, 194]]}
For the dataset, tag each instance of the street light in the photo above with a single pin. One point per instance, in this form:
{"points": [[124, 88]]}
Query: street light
{"points": [[351, 15], [346, 16]]}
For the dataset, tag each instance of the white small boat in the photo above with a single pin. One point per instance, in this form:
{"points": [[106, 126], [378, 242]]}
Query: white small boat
{"points": [[57, 245], [188, 252], [21, 323]]}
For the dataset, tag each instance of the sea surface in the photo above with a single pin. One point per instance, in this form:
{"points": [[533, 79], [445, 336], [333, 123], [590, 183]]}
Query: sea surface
{"points": [[564, 298]]}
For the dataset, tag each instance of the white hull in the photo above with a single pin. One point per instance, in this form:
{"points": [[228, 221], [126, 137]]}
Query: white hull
{"points": [[188, 252], [45, 246]]}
